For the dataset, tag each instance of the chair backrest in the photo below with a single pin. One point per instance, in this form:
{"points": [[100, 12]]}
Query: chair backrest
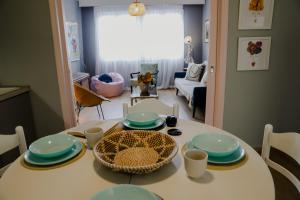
{"points": [[151, 105], [152, 68], [288, 143], [85, 97], [8, 142]]}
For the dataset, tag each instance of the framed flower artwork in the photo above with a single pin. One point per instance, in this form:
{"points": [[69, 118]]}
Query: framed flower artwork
{"points": [[253, 53], [72, 41], [256, 14]]}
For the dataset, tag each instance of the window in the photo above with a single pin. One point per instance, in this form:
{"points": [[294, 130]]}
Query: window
{"points": [[156, 35]]}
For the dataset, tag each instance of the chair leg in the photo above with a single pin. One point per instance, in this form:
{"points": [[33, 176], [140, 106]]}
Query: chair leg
{"points": [[79, 109], [131, 89], [194, 111], [98, 112], [102, 112], [176, 91]]}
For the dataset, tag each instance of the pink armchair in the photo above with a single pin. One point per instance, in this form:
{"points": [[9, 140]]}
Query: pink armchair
{"points": [[113, 89]]}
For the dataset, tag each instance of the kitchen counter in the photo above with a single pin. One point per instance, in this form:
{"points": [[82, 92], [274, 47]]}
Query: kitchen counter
{"points": [[7, 92]]}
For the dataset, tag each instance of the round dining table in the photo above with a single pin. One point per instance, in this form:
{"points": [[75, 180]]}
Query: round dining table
{"points": [[83, 178]]}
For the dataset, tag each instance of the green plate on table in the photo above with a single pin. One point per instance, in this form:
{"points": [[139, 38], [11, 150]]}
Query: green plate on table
{"points": [[159, 122], [35, 160], [52, 145], [236, 156], [216, 144], [142, 118], [125, 192]]}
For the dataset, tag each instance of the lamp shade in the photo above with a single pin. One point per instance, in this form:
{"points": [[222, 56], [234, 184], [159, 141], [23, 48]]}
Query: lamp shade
{"points": [[136, 9], [188, 40]]}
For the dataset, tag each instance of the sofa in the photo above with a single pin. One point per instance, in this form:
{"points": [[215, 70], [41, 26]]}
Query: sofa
{"points": [[194, 91]]}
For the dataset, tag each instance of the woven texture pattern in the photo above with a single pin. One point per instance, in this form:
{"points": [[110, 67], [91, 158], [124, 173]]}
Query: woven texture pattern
{"points": [[140, 144]]}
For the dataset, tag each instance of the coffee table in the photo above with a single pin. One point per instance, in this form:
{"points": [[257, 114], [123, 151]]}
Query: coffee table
{"points": [[136, 94]]}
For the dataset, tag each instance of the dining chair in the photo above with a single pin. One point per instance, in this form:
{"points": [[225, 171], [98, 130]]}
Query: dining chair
{"points": [[9, 142], [288, 143], [88, 98], [151, 105]]}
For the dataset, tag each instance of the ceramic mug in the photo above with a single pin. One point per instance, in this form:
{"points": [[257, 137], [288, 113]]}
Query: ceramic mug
{"points": [[93, 135], [195, 163]]}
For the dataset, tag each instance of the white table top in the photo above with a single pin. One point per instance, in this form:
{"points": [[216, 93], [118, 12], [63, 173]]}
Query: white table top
{"points": [[85, 177]]}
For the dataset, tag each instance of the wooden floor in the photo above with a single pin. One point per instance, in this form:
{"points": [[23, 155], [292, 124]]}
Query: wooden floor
{"points": [[114, 109]]}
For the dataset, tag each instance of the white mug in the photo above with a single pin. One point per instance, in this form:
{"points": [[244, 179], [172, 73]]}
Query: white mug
{"points": [[195, 163], [93, 135]]}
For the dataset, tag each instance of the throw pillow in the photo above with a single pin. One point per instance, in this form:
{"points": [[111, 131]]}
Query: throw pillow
{"points": [[193, 72], [105, 78], [204, 78]]}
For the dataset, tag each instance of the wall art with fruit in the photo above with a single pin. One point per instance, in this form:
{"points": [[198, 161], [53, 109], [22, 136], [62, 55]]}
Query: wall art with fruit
{"points": [[253, 53], [256, 14]]}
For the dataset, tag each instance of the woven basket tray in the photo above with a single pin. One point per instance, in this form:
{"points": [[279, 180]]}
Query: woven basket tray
{"points": [[136, 151]]}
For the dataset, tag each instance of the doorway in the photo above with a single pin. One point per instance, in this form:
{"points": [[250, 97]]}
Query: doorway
{"points": [[216, 62]]}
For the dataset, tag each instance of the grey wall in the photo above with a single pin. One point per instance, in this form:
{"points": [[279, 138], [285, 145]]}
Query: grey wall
{"points": [[193, 27], [255, 98], [27, 58], [206, 13], [72, 13], [89, 39]]}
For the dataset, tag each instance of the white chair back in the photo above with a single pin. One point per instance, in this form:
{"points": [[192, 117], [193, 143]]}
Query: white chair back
{"points": [[288, 143], [151, 105], [8, 142]]}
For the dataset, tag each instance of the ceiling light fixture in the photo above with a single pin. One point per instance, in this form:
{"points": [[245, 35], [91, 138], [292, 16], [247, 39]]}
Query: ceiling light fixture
{"points": [[136, 8]]}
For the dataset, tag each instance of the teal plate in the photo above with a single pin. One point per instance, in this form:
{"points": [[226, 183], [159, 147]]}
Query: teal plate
{"points": [[142, 118], [34, 160], [216, 144], [125, 192], [236, 156], [52, 145], [157, 124]]}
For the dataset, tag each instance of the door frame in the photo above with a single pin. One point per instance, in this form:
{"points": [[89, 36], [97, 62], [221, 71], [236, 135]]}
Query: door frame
{"points": [[62, 63], [216, 62]]}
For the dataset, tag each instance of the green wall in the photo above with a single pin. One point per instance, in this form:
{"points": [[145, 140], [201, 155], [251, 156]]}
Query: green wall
{"points": [[27, 58], [255, 98]]}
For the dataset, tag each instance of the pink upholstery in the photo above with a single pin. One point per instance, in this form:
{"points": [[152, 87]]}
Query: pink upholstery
{"points": [[112, 89]]}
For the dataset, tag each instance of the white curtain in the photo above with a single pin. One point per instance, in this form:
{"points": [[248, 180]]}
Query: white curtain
{"points": [[124, 42]]}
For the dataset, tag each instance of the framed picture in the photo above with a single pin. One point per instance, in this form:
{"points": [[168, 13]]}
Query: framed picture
{"points": [[206, 31], [72, 41], [253, 53], [256, 14]]}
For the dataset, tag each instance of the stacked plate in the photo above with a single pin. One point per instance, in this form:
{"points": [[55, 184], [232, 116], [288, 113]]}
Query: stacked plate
{"points": [[221, 149], [143, 121], [53, 149], [125, 192]]}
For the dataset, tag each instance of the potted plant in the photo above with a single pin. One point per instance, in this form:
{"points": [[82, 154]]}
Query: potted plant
{"points": [[144, 81]]}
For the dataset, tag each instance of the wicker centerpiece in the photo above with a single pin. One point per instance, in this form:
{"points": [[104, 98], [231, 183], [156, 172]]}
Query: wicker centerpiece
{"points": [[135, 152]]}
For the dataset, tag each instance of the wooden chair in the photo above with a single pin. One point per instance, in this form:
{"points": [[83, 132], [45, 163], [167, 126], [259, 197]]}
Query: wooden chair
{"points": [[8, 142], [151, 105], [88, 98], [288, 143]]}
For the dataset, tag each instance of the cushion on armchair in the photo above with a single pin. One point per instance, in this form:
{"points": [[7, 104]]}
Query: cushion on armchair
{"points": [[105, 78]]}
